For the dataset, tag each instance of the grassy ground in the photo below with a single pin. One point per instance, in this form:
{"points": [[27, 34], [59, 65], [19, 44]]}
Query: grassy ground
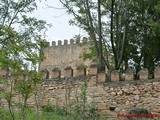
{"points": [[31, 115]]}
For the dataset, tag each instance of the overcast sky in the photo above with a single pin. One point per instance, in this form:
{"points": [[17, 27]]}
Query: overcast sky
{"points": [[60, 29]]}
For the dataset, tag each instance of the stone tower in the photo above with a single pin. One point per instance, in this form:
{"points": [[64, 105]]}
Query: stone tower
{"points": [[61, 56]]}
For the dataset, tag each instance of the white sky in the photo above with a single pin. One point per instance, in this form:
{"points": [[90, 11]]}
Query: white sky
{"points": [[60, 29]]}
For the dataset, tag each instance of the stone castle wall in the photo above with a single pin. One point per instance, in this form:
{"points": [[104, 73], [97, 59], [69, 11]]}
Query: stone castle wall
{"points": [[65, 55], [109, 97]]}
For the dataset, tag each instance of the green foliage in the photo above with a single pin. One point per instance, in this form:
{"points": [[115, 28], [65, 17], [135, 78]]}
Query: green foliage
{"points": [[55, 109], [31, 115], [8, 96], [23, 88], [87, 56], [4, 115], [83, 91], [140, 112], [48, 108], [132, 38], [91, 55], [21, 49]]}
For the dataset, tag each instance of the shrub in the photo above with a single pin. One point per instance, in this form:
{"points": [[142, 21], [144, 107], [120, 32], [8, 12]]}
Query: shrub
{"points": [[48, 108], [138, 112], [55, 109]]}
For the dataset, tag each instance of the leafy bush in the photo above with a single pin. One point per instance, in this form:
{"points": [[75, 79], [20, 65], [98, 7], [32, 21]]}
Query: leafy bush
{"points": [[138, 112], [48, 108], [61, 111], [55, 109]]}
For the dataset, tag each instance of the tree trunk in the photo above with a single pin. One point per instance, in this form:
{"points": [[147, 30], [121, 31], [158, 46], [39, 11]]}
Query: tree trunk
{"points": [[100, 57], [112, 37]]}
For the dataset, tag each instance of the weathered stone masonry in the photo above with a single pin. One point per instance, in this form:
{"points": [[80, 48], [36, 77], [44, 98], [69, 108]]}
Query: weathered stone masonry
{"points": [[63, 55], [109, 97], [121, 96]]}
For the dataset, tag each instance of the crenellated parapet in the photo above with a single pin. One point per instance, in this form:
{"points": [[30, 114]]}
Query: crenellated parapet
{"points": [[61, 85], [60, 54], [84, 40], [92, 70]]}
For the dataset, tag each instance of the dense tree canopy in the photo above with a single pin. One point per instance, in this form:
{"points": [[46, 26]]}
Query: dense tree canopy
{"points": [[21, 41], [128, 30], [20, 36]]}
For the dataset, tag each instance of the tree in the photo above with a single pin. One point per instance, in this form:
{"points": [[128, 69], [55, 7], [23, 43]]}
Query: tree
{"points": [[85, 19], [92, 16], [143, 48], [21, 41], [128, 30]]}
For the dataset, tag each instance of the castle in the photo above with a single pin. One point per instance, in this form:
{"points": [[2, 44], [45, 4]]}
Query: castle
{"points": [[62, 56], [65, 73]]}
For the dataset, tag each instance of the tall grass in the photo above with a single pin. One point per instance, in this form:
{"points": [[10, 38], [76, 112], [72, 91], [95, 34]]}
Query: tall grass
{"points": [[31, 115]]}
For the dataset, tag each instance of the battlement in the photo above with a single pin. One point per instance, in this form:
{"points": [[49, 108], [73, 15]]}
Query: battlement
{"points": [[70, 53], [108, 97], [84, 40], [92, 70]]}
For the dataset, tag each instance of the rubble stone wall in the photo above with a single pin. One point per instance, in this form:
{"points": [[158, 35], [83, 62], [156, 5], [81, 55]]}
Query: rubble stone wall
{"points": [[109, 97]]}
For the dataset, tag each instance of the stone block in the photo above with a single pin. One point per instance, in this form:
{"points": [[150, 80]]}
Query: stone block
{"points": [[117, 109], [92, 81], [136, 92], [143, 74], [71, 41], [56, 73], [93, 69], [80, 71], [136, 97], [50, 88], [129, 74], [68, 72], [92, 90], [59, 42], [53, 43], [44, 104], [101, 106], [115, 75], [65, 42], [101, 77], [157, 73]]}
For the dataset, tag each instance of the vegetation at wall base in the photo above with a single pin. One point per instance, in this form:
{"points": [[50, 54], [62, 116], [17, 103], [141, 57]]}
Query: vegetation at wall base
{"points": [[4, 115], [52, 115]]}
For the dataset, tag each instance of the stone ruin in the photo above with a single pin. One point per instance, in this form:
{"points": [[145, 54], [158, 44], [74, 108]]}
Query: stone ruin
{"points": [[110, 97], [93, 70]]}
